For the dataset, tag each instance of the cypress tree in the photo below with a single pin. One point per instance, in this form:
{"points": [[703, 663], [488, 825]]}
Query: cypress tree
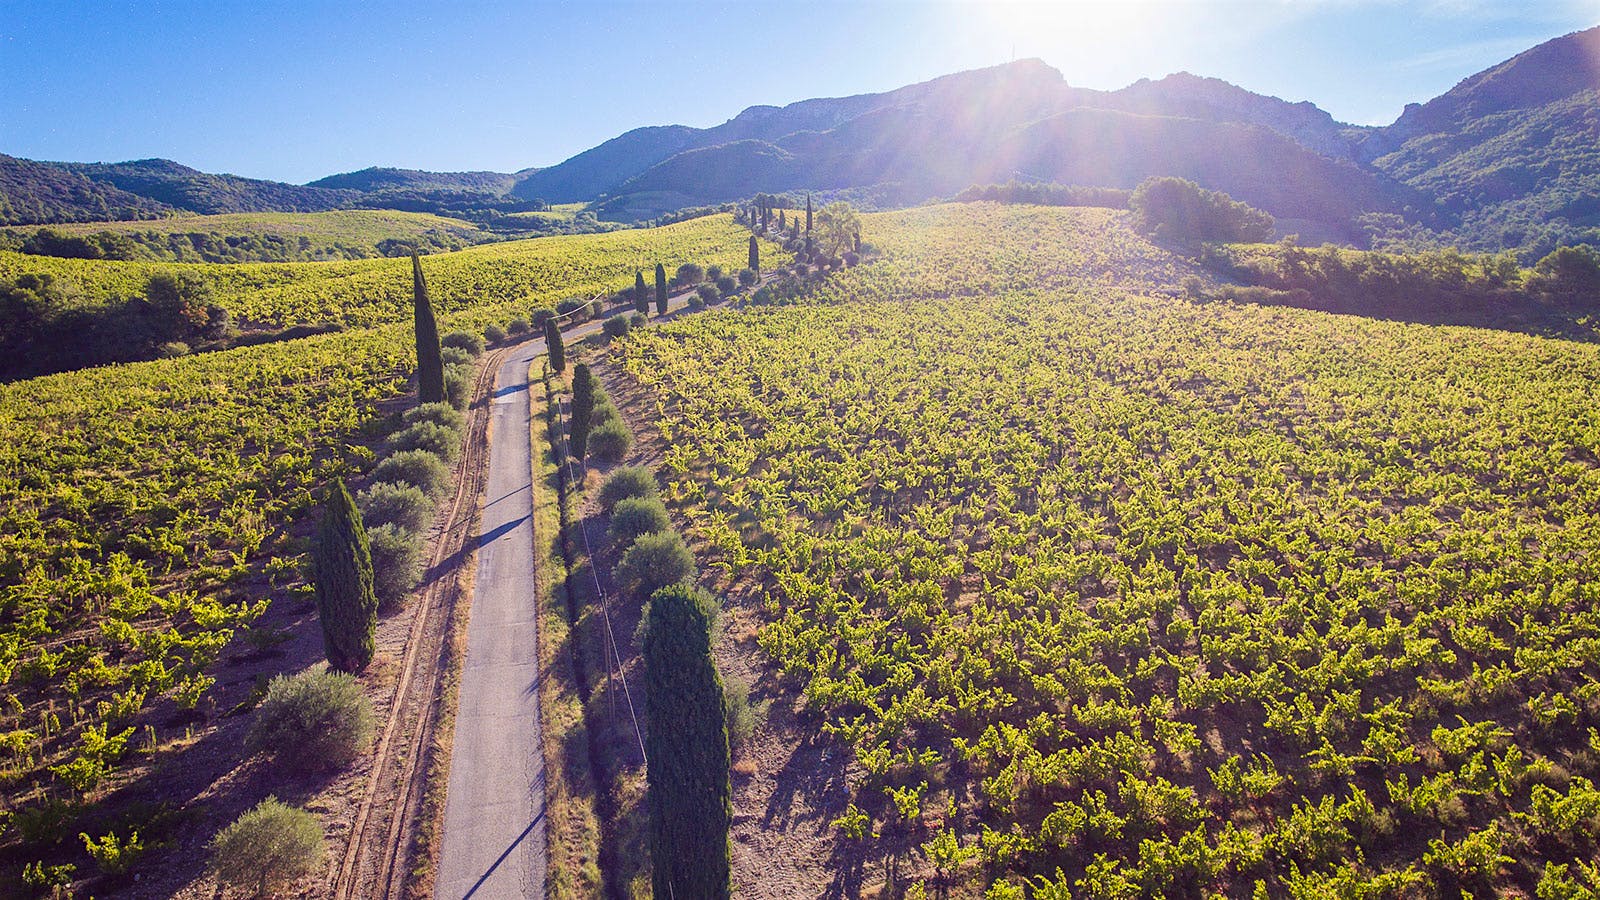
{"points": [[346, 604], [582, 409], [687, 772], [554, 346], [808, 215], [430, 364], [641, 297], [782, 223], [661, 289], [755, 255], [858, 243]]}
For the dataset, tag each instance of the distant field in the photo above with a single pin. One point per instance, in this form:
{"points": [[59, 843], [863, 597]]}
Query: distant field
{"points": [[1121, 595], [538, 271], [350, 226]]}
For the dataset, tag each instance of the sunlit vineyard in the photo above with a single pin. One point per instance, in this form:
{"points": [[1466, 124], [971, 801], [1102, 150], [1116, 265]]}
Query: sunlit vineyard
{"points": [[1117, 595], [147, 511], [374, 291]]}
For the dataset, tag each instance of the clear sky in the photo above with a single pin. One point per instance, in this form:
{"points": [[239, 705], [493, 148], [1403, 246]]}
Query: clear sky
{"points": [[296, 90]]}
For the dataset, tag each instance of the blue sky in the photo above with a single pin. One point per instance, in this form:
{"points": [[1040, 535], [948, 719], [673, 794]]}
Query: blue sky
{"points": [[297, 90]]}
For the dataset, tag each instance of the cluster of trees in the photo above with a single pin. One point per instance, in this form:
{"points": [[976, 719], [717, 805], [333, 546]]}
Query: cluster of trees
{"points": [[687, 750], [830, 237], [1429, 283], [1176, 210], [1039, 193], [43, 328]]}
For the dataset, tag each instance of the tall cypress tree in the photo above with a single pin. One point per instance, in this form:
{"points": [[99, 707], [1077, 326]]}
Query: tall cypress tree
{"points": [[346, 604], [808, 215], [755, 255], [582, 409], [661, 289], [687, 772], [641, 297], [782, 222], [554, 346], [430, 362]]}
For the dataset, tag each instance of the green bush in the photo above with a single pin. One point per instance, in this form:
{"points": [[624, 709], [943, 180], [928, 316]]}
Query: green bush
{"points": [[438, 413], [432, 437], [748, 277], [267, 848], [742, 716], [653, 562], [457, 385], [713, 272], [114, 856], [1175, 209], [616, 326], [603, 411], [689, 273], [726, 285], [312, 721], [455, 356], [633, 481], [517, 326], [538, 317], [609, 443], [386, 502], [464, 340], [636, 320], [708, 293], [397, 562], [493, 334], [418, 468], [635, 517]]}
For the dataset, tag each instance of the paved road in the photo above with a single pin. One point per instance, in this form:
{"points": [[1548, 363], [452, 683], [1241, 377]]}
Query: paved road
{"points": [[494, 825], [494, 834]]}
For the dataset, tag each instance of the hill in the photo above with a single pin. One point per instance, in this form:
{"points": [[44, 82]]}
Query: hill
{"points": [[1511, 153], [34, 193], [181, 187], [384, 179]]}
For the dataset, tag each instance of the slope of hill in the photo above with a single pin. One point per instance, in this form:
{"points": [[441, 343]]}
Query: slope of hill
{"points": [[1513, 152], [33, 193], [189, 189], [388, 179]]}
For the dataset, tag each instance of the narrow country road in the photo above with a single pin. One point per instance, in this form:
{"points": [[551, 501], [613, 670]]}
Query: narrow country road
{"points": [[493, 844], [494, 836]]}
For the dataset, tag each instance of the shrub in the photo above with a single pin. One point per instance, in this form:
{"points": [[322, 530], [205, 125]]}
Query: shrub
{"points": [[633, 481], [617, 326], [464, 340], [455, 356], [637, 319], [608, 443], [438, 413], [172, 350], [457, 385], [538, 317], [713, 272], [311, 721], [577, 306], [267, 847], [395, 504], [748, 277], [726, 285], [113, 856], [517, 326], [493, 334], [1175, 209], [637, 516], [603, 412], [1569, 272], [708, 293], [442, 442], [396, 562], [850, 259], [592, 311], [654, 561], [689, 273], [742, 716], [418, 468]]}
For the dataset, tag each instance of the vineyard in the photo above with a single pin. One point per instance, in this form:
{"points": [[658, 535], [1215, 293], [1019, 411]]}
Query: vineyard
{"points": [[149, 516], [376, 291], [1116, 594]]}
